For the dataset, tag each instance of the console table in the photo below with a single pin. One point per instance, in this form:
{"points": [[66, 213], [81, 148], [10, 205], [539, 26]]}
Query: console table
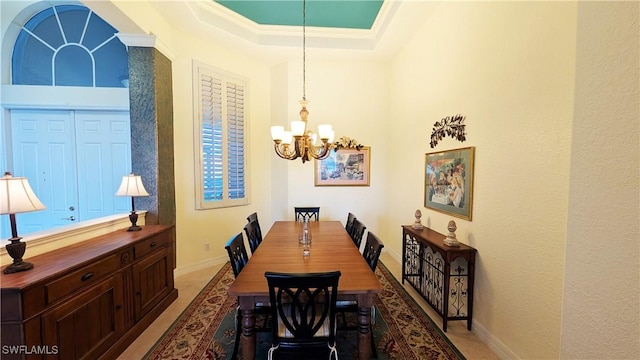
{"points": [[442, 274], [89, 300]]}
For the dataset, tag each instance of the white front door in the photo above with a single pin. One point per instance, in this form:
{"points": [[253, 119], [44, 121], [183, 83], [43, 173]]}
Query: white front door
{"points": [[104, 155], [44, 152]]}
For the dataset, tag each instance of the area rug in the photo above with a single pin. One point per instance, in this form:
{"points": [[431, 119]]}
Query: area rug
{"points": [[205, 330]]}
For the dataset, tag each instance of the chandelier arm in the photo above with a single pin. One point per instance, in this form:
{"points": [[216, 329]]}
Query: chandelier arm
{"points": [[281, 151], [277, 147], [291, 155], [321, 152]]}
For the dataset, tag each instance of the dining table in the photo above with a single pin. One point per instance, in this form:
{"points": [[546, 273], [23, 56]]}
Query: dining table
{"points": [[331, 248]]}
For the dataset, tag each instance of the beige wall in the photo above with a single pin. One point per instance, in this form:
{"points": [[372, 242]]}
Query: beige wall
{"points": [[510, 68], [216, 226], [353, 97], [195, 228], [601, 297]]}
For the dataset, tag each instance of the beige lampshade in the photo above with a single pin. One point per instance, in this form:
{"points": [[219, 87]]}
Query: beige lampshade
{"points": [[16, 195], [131, 186]]}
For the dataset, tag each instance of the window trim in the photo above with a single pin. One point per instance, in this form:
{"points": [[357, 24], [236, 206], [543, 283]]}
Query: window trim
{"points": [[28, 32], [200, 69]]}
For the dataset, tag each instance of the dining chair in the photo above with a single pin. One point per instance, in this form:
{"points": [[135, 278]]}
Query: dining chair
{"points": [[349, 224], [372, 250], [237, 253], [307, 213], [357, 232], [371, 253], [254, 237], [303, 314], [239, 258], [254, 217]]}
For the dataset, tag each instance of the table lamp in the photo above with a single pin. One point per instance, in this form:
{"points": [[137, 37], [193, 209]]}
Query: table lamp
{"points": [[16, 196], [132, 186]]}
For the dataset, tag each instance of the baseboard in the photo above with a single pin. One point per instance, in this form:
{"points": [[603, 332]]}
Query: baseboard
{"points": [[500, 349], [397, 257], [183, 270]]}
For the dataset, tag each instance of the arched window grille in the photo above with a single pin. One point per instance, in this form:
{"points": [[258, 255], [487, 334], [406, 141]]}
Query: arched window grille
{"points": [[69, 45]]}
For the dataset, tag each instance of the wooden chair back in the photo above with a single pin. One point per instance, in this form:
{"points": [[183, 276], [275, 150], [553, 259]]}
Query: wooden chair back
{"points": [[237, 253], [254, 237], [303, 311], [349, 225], [372, 249], [254, 217], [307, 213], [357, 232]]}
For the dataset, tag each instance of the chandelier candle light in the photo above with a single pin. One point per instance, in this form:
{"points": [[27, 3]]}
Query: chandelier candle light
{"points": [[304, 141], [132, 186], [16, 196]]}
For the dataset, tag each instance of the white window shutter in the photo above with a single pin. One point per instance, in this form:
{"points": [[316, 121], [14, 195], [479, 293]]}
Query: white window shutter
{"points": [[221, 175]]}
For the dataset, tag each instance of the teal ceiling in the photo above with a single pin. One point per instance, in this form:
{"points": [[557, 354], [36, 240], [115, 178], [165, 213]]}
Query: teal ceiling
{"points": [[350, 14]]}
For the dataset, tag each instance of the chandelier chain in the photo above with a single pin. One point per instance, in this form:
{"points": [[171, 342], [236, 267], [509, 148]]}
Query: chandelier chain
{"points": [[304, 49]]}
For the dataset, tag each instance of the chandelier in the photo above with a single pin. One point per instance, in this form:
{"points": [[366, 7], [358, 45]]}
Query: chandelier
{"points": [[300, 142]]}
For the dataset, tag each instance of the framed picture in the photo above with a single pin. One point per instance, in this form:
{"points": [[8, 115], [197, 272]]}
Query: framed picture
{"points": [[345, 167], [448, 182]]}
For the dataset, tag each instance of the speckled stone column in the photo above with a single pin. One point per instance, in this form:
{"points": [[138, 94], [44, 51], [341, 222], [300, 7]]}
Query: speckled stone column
{"points": [[151, 101]]}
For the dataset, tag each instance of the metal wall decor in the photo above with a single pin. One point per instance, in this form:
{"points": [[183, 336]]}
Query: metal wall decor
{"points": [[451, 126], [347, 143]]}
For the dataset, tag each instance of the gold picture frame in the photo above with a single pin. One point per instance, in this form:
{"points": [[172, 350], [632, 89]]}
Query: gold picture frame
{"points": [[448, 182], [344, 167]]}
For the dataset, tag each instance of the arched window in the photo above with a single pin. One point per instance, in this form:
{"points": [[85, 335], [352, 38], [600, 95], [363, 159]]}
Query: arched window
{"points": [[69, 45]]}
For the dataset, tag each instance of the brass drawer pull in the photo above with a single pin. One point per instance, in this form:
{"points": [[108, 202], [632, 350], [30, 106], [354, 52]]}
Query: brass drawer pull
{"points": [[152, 244]]}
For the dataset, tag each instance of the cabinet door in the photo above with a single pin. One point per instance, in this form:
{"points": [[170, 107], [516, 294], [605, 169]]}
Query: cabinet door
{"points": [[152, 280], [86, 325]]}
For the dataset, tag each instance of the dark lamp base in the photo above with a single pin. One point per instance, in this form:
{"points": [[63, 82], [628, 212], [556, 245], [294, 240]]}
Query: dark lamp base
{"points": [[133, 217], [17, 267], [16, 249]]}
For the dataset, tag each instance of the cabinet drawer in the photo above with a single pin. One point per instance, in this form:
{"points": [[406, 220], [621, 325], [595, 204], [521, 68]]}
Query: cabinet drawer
{"points": [[81, 277], [144, 247]]}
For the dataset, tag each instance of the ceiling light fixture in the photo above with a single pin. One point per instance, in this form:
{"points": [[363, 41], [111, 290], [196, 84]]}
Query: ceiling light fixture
{"points": [[304, 141]]}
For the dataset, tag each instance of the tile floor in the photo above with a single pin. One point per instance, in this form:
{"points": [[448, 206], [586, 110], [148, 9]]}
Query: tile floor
{"points": [[190, 285]]}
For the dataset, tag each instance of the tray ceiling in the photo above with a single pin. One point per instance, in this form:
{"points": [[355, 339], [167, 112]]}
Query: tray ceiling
{"points": [[347, 14]]}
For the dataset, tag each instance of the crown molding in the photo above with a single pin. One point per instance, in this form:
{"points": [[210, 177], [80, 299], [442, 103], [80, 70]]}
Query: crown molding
{"points": [[142, 40], [213, 15]]}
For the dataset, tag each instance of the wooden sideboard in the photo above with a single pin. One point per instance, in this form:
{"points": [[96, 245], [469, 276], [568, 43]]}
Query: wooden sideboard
{"points": [[442, 274], [88, 300]]}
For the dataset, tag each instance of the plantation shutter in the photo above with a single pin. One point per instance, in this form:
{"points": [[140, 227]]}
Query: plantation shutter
{"points": [[222, 147], [212, 167], [235, 133]]}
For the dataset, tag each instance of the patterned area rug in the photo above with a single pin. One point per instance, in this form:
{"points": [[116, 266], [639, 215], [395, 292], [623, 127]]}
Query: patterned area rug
{"points": [[205, 330]]}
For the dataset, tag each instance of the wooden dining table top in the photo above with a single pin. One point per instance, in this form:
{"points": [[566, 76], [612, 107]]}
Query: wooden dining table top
{"points": [[331, 249]]}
